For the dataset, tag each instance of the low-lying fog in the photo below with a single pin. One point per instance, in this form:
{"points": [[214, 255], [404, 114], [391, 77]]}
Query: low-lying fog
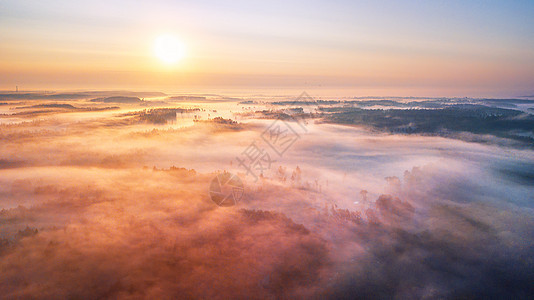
{"points": [[95, 204]]}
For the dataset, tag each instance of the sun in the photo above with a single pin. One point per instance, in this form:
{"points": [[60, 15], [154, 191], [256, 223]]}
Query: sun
{"points": [[169, 49]]}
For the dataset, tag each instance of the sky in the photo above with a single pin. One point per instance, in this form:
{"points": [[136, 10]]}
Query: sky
{"points": [[418, 48]]}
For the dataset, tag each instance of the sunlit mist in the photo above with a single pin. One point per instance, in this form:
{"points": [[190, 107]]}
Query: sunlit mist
{"points": [[266, 149]]}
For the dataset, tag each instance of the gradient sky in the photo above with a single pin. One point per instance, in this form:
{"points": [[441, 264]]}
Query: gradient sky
{"points": [[447, 48]]}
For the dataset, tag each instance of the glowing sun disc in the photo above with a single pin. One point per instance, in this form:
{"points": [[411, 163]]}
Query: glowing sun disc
{"points": [[169, 49]]}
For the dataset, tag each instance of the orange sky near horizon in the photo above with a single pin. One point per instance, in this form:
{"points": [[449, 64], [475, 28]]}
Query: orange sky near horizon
{"points": [[344, 45]]}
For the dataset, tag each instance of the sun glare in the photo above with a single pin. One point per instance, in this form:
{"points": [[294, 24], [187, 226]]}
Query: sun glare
{"points": [[169, 49]]}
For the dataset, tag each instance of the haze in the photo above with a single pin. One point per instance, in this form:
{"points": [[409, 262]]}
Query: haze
{"points": [[266, 150], [387, 48]]}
